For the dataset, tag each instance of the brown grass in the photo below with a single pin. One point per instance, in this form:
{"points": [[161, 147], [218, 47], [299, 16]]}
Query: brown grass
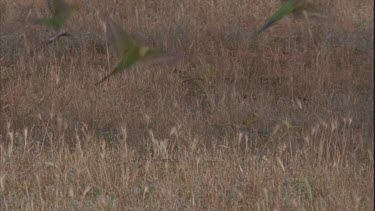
{"points": [[284, 124]]}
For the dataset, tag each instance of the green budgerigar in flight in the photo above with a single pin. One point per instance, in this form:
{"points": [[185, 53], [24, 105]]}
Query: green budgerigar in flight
{"points": [[288, 7], [61, 11], [129, 50]]}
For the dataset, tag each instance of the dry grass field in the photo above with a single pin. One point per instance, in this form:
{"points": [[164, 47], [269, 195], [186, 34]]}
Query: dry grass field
{"points": [[284, 122]]}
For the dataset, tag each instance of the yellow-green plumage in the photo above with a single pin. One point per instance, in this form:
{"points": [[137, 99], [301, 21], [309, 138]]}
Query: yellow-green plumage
{"points": [[61, 11], [129, 50], [288, 7]]}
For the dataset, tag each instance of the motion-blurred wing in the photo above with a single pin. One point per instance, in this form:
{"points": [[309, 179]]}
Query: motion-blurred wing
{"points": [[157, 56], [119, 37], [57, 6], [284, 10], [51, 6]]}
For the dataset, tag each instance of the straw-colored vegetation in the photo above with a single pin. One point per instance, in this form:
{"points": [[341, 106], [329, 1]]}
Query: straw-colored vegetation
{"points": [[282, 124]]}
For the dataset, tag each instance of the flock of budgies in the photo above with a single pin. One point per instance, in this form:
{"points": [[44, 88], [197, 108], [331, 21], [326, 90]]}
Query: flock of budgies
{"points": [[132, 52]]}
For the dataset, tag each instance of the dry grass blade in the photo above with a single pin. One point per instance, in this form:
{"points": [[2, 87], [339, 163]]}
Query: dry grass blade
{"points": [[241, 122]]}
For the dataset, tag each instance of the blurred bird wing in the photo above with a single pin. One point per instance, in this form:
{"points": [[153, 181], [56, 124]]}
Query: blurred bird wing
{"points": [[51, 6], [303, 4], [58, 6], [284, 10], [119, 37], [158, 57]]}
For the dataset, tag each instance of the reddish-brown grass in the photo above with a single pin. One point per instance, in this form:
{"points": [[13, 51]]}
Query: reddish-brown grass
{"points": [[282, 124]]}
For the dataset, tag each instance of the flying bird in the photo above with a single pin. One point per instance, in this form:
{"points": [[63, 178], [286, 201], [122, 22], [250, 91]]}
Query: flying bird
{"points": [[129, 50], [61, 11], [288, 7]]}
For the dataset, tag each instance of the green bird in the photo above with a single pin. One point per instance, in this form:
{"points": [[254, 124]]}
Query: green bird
{"points": [[129, 50], [61, 11], [288, 7]]}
